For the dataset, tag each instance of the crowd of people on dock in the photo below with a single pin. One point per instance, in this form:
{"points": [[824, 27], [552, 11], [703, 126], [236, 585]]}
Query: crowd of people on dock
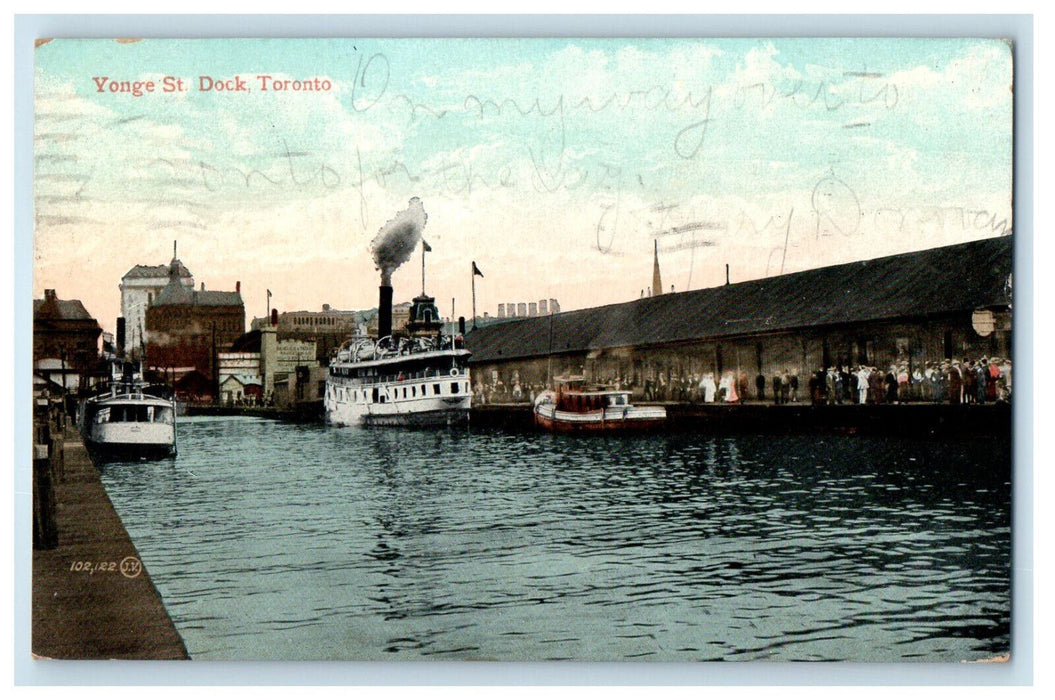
{"points": [[981, 381], [967, 381]]}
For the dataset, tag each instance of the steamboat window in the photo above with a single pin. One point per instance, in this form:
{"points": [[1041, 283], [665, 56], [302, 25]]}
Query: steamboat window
{"points": [[454, 387], [163, 415], [436, 389], [375, 396]]}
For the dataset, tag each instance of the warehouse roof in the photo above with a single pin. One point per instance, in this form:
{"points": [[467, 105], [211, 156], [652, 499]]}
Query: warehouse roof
{"points": [[932, 282]]}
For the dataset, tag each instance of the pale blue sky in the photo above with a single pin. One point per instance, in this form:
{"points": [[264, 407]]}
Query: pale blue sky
{"points": [[553, 163]]}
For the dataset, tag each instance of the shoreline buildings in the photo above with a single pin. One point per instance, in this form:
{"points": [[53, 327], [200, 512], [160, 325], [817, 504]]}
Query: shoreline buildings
{"points": [[139, 287], [186, 328], [65, 341], [514, 309], [912, 310]]}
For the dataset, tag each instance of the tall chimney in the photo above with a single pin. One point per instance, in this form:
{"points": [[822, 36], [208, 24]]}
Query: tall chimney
{"points": [[384, 311], [274, 317], [238, 286], [727, 273]]}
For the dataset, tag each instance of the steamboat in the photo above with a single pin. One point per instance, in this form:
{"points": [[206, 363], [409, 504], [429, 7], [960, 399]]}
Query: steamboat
{"points": [[128, 417], [416, 378]]}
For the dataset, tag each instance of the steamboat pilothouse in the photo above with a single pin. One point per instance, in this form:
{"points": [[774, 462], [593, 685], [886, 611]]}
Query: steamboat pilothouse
{"points": [[418, 378]]}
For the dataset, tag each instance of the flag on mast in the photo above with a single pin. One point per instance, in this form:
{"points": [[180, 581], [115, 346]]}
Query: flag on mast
{"points": [[425, 246], [476, 271]]}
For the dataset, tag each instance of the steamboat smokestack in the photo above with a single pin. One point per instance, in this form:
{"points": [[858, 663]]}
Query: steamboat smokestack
{"points": [[384, 311]]}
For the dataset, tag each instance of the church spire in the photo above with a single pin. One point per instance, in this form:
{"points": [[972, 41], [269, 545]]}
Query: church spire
{"points": [[657, 283]]}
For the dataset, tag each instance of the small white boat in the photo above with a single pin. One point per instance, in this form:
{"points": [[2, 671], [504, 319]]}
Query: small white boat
{"points": [[129, 419], [573, 407]]}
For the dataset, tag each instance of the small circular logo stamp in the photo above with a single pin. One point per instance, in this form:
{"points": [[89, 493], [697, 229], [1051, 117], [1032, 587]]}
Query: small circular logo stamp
{"points": [[131, 567]]}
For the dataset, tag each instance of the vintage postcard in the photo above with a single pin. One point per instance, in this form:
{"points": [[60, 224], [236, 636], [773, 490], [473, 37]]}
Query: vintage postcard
{"points": [[627, 349]]}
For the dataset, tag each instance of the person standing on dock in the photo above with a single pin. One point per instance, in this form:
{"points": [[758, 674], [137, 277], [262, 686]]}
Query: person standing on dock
{"points": [[875, 386], [955, 383], [991, 380], [983, 381], [708, 388], [891, 385], [731, 389], [760, 386], [862, 385], [777, 388], [970, 383]]}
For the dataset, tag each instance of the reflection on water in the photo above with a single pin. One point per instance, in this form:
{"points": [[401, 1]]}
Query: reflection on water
{"points": [[278, 541]]}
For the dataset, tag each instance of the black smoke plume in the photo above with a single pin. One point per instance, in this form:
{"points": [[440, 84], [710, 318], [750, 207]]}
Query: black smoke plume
{"points": [[396, 240]]}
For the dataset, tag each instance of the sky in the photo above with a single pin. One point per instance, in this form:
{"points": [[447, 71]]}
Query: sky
{"points": [[555, 164]]}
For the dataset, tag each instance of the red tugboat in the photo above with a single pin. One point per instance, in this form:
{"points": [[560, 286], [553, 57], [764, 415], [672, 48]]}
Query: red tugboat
{"points": [[576, 407]]}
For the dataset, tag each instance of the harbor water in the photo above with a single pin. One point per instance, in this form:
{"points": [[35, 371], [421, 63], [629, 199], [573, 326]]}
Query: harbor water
{"points": [[272, 540]]}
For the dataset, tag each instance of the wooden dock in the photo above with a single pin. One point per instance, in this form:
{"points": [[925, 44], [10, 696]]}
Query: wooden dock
{"points": [[92, 598]]}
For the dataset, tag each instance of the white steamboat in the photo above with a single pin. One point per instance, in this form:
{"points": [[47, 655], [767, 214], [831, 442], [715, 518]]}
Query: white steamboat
{"points": [[129, 418], [417, 379]]}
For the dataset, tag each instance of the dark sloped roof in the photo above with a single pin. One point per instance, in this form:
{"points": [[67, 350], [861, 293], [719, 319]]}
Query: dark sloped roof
{"points": [[249, 342], [64, 309], [943, 280], [175, 294], [156, 271]]}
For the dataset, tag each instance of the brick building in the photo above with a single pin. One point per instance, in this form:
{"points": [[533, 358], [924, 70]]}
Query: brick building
{"points": [[186, 328], [139, 287], [325, 329], [65, 339]]}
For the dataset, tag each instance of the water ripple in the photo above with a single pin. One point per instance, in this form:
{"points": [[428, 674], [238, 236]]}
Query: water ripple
{"points": [[276, 541]]}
